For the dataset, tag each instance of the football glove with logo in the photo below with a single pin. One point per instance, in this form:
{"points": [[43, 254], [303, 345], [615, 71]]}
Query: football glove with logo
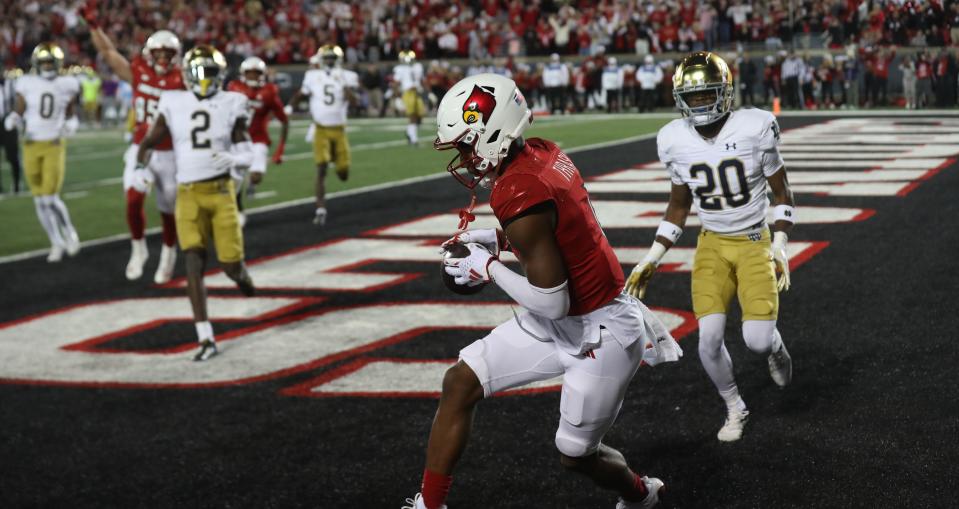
{"points": [[70, 127], [781, 260], [13, 121], [471, 270], [491, 238], [142, 178], [644, 270]]}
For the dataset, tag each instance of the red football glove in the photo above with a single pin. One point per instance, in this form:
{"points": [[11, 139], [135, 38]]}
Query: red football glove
{"points": [[89, 14], [278, 155]]}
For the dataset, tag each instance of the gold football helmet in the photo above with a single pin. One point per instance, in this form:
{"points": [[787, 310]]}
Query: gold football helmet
{"points": [[407, 56], [204, 69], [330, 56], [701, 72], [47, 60]]}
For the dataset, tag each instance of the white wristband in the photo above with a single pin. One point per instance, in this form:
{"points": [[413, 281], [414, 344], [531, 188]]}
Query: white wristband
{"points": [[784, 213], [669, 231], [656, 252]]}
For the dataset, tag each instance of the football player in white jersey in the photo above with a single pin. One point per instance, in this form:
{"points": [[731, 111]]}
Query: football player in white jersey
{"points": [[45, 102], [210, 139], [724, 161], [331, 92], [409, 74]]}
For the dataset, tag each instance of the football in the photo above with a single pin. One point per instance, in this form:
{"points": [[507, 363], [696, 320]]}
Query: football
{"points": [[457, 250]]}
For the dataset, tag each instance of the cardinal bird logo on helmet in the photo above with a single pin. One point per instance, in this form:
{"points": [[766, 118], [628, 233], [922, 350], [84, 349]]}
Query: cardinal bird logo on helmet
{"points": [[480, 103]]}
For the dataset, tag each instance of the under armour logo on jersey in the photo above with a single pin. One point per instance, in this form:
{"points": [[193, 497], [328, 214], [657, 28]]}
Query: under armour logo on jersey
{"points": [[733, 145]]}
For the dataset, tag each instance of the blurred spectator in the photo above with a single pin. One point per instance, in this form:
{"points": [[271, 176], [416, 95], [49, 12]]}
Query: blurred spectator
{"points": [[747, 79], [612, 83], [923, 80], [555, 83], [793, 70], [649, 76], [908, 68]]}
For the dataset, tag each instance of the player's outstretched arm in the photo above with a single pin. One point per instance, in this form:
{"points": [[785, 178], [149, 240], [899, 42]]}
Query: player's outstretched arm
{"points": [[680, 201], [784, 216], [117, 62]]}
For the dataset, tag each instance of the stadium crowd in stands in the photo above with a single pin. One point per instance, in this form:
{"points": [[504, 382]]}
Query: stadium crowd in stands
{"points": [[456, 38]]}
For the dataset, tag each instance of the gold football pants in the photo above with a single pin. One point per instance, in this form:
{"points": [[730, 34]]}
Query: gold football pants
{"points": [[728, 265]]}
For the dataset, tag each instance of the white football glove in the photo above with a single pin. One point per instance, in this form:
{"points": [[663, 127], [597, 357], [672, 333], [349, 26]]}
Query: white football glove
{"points": [[70, 127], [472, 270], [13, 121], [644, 270], [288, 109], [142, 178], [487, 237], [222, 162], [781, 260]]}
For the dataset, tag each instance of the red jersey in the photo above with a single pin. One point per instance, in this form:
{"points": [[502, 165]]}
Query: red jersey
{"points": [[147, 85], [542, 173], [263, 100]]}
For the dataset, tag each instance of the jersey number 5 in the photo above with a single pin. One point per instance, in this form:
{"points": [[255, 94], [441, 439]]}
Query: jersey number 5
{"points": [[708, 199]]}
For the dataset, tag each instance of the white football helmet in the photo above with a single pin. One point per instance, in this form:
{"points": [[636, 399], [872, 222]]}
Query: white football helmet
{"points": [[162, 40], [480, 116], [253, 64]]}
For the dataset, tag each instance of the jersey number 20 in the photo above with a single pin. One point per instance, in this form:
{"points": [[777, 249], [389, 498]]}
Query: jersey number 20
{"points": [[708, 198]]}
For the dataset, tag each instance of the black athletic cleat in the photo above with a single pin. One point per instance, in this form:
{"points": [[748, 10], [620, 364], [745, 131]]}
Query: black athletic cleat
{"points": [[245, 284], [207, 350]]}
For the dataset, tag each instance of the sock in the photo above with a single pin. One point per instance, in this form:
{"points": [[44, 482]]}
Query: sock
{"points": [[47, 221], [204, 330], [62, 214], [638, 491], [136, 217], [169, 229], [733, 399], [435, 488], [411, 132]]}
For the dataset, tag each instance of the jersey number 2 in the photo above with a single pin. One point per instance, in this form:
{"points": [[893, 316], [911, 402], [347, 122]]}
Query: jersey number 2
{"points": [[201, 122], [708, 199]]}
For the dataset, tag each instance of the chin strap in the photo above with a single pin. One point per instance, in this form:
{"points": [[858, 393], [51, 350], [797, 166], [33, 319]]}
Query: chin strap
{"points": [[466, 215]]}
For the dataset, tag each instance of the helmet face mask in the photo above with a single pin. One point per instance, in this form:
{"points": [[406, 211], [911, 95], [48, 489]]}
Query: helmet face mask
{"points": [[161, 51], [47, 60], [696, 76], [203, 70], [480, 116]]}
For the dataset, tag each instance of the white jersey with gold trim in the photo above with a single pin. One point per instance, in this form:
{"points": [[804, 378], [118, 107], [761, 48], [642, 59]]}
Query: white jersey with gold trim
{"points": [[409, 76], [727, 175], [326, 88], [47, 102], [199, 129]]}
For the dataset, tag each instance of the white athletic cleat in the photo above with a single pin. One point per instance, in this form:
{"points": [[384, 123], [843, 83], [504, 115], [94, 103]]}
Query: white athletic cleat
{"points": [[56, 254], [417, 503], [319, 218], [653, 486], [138, 258], [164, 271], [781, 366], [73, 242], [207, 350], [732, 430]]}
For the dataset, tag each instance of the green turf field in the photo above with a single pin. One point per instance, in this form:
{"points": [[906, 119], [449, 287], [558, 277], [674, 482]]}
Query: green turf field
{"points": [[93, 187]]}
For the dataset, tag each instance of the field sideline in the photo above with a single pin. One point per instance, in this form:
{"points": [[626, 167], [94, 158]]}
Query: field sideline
{"points": [[93, 186]]}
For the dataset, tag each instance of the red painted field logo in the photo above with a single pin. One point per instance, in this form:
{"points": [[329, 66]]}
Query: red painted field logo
{"points": [[480, 102]]}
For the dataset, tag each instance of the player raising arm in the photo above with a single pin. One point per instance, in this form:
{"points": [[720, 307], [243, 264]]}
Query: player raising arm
{"points": [[722, 161], [149, 73], [210, 139]]}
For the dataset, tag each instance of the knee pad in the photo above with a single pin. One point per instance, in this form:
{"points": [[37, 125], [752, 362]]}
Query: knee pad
{"points": [[573, 446], [712, 331], [759, 335]]}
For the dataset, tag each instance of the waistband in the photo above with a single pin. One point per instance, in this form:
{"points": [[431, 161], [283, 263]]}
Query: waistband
{"points": [[214, 184], [755, 232]]}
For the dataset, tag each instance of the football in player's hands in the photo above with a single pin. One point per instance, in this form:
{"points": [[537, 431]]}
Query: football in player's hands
{"points": [[457, 250]]}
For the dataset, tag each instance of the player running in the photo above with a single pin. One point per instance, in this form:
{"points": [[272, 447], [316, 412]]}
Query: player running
{"points": [[331, 91], [264, 99], [149, 73], [409, 74], [724, 160], [210, 139], [46, 102], [578, 323]]}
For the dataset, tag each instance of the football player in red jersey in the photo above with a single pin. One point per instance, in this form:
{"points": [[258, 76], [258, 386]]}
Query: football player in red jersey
{"points": [[149, 74], [264, 99], [577, 322]]}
